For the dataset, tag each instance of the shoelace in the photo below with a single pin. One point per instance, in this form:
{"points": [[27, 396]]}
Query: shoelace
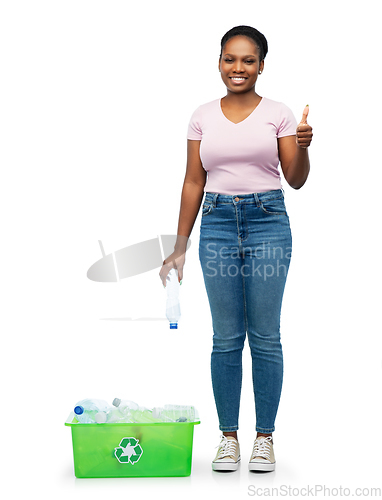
{"points": [[228, 448], [262, 447]]}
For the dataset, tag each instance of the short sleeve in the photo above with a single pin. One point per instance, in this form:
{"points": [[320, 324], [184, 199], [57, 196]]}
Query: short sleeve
{"points": [[288, 123], [195, 126]]}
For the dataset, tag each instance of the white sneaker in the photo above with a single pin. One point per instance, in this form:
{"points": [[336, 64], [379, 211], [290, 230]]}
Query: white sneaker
{"points": [[263, 457], [228, 454]]}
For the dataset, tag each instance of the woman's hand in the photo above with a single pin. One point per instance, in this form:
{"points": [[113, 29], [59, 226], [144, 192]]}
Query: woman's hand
{"points": [[174, 261], [304, 132]]}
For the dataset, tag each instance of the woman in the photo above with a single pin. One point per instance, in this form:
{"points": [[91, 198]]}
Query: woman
{"points": [[245, 237]]}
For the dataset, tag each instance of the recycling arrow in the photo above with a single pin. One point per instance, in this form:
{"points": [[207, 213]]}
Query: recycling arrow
{"points": [[128, 451]]}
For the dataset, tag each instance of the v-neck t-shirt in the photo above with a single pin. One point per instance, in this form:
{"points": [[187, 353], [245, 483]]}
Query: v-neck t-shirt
{"points": [[241, 158]]}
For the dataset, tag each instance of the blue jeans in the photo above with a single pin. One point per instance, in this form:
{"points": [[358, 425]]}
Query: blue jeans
{"points": [[244, 250]]}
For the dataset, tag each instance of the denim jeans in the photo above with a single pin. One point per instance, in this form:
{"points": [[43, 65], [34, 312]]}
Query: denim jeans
{"points": [[245, 249]]}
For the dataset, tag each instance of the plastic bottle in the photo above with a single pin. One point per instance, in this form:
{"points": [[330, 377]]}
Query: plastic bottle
{"points": [[90, 411], [132, 412], [143, 416], [175, 413], [159, 414], [114, 416], [122, 408], [172, 304]]}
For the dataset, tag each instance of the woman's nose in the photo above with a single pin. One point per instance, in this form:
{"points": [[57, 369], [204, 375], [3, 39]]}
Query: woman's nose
{"points": [[238, 67]]}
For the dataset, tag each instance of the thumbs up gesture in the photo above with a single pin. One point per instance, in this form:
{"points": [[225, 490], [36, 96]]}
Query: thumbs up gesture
{"points": [[304, 132]]}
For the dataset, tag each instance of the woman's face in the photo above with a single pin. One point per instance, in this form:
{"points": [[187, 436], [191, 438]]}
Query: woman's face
{"points": [[240, 64]]}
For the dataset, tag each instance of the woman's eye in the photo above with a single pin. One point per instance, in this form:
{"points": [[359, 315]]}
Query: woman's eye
{"points": [[249, 61]]}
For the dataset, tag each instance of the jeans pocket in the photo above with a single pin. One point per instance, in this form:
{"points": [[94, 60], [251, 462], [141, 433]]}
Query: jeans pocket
{"points": [[206, 209], [274, 206]]}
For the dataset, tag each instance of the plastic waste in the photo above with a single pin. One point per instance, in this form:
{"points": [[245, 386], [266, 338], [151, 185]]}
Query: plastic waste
{"points": [[143, 416], [125, 411], [175, 413], [130, 411], [114, 416], [121, 410], [159, 414], [90, 411], [172, 304]]}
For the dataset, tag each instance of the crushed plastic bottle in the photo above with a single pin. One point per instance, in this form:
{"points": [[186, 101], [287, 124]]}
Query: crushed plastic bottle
{"points": [[122, 410], [90, 411], [159, 414], [172, 304], [114, 416], [143, 416], [175, 413], [130, 411]]}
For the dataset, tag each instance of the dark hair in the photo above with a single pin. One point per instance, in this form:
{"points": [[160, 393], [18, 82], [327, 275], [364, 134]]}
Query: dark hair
{"points": [[252, 33]]}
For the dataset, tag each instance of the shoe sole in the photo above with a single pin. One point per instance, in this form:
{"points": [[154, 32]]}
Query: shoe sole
{"points": [[261, 467], [226, 465]]}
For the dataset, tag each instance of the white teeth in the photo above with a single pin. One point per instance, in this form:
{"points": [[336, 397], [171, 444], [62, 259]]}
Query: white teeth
{"points": [[237, 78]]}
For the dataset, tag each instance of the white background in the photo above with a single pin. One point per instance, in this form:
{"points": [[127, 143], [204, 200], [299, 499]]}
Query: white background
{"points": [[95, 101]]}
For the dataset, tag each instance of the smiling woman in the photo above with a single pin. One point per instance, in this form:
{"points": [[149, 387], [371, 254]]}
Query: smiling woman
{"points": [[235, 146]]}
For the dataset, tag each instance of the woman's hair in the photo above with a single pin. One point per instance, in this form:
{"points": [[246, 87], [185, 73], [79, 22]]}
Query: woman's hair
{"points": [[252, 33]]}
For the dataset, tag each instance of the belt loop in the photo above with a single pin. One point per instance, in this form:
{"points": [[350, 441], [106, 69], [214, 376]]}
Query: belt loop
{"points": [[214, 199], [257, 199]]}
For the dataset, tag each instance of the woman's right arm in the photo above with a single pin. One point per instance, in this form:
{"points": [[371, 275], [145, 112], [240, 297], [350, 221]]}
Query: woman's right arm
{"points": [[191, 198], [192, 193]]}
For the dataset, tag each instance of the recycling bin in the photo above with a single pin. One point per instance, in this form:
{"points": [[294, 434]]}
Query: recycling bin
{"points": [[157, 449]]}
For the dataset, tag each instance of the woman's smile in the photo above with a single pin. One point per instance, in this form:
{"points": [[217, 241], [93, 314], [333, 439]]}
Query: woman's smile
{"points": [[238, 80]]}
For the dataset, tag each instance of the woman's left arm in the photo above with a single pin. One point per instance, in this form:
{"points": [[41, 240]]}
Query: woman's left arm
{"points": [[293, 153]]}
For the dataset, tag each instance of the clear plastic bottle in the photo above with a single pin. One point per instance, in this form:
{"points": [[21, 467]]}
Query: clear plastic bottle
{"points": [[90, 411], [143, 416], [123, 409], [172, 304], [159, 414], [132, 412], [175, 413], [114, 416]]}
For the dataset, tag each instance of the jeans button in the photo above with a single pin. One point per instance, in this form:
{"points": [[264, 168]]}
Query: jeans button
{"points": [[236, 199]]}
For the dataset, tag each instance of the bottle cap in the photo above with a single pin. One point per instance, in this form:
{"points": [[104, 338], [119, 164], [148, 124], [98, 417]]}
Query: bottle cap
{"points": [[100, 417], [156, 412], [173, 325], [78, 410], [116, 402]]}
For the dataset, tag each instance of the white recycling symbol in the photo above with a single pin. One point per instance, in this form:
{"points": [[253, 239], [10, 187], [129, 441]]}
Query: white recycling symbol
{"points": [[128, 451]]}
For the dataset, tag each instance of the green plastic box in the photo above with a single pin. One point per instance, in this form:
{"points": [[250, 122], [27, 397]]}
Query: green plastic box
{"points": [[132, 450]]}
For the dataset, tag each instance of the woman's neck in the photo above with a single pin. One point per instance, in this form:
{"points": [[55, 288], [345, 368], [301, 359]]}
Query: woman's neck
{"points": [[246, 100]]}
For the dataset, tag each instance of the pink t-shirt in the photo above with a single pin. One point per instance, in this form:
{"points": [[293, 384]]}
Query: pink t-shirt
{"points": [[241, 158]]}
